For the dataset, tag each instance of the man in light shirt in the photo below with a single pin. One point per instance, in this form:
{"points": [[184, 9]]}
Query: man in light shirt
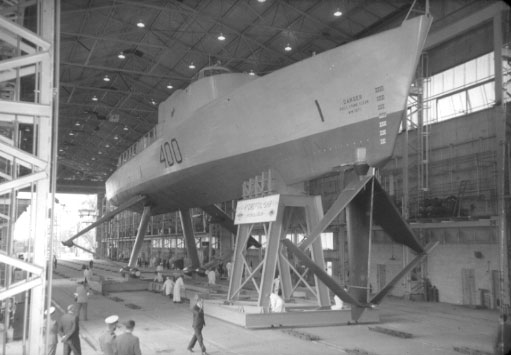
{"points": [[277, 304]]}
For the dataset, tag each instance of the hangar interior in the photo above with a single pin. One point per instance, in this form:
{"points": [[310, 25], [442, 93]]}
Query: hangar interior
{"points": [[450, 186], [96, 71]]}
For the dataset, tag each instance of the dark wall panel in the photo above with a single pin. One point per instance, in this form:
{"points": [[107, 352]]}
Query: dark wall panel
{"points": [[461, 49]]}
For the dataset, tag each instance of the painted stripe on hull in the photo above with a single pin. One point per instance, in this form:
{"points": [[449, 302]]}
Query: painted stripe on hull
{"points": [[295, 161]]}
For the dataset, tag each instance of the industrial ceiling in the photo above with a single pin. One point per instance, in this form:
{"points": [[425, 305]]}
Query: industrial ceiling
{"points": [[114, 72]]}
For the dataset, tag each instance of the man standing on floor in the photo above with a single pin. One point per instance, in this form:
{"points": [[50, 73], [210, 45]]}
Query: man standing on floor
{"points": [[211, 276], [277, 303], [53, 331], [107, 339], [168, 287], [69, 329], [198, 324], [228, 266], [82, 297], [127, 343], [179, 286]]}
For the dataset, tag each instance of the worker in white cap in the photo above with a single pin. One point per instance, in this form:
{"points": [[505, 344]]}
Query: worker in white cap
{"points": [[53, 331], [107, 339]]}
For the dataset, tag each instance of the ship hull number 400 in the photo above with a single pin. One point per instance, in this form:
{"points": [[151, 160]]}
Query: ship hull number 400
{"points": [[170, 153]]}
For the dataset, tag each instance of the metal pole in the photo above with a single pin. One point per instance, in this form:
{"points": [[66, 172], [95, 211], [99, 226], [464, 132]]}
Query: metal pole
{"points": [[46, 15], [501, 162]]}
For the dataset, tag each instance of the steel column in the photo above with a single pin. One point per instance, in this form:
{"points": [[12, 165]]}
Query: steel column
{"points": [[44, 125], [191, 247], [357, 223], [270, 260], [286, 283], [419, 258], [314, 214], [106, 217], [139, 240], [238, 264], [322, 275]]}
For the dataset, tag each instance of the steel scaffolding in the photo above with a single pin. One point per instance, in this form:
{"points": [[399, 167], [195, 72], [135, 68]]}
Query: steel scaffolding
{"points": [[26, 163]]}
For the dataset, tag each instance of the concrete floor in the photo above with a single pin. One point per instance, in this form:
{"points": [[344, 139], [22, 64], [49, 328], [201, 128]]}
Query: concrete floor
{"points": [[165, 328]]}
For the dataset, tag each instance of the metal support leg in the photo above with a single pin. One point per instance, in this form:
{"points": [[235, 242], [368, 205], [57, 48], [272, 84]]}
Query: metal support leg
{"points": [[270, 261], [191, 247], [418, 259], [237, 265], [286, 283], [139, 240], [357, 223], [314, 213]]}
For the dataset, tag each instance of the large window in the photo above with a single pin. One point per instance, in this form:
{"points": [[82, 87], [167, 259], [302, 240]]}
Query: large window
{"points": [[156, 243], [327, 240], [466, 88]]}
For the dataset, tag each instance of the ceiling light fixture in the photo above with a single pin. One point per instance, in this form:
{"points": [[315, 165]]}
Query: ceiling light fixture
{"points": [[191, 66], [221, 37], [261, 0], [121, 55], [125, 128], [140, 24], [116, 137], [288, 48], [169, 86], [100, 152], [153, 102], [106, 78], [93, 158], [251, 72], [94, 98], [71, 133], [77, 124], [338, 13]]}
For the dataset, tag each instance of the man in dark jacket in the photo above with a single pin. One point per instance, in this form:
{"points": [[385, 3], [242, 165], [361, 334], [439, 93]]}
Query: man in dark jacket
{"points": [[198, 324], [127, 343], [69, 329]]}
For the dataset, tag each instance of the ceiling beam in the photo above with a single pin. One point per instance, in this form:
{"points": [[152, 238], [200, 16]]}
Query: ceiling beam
{"points": [[73, 36], [112, 90], [464, 25], [225, 26], [119, 70], [347, 37], [91, 105], [80, 187]]}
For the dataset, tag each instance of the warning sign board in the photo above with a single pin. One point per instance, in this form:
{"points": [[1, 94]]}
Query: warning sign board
{"points": [[257, 210]]}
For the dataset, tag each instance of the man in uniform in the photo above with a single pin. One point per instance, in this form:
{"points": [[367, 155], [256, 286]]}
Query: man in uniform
{"points": [[107, 339]]}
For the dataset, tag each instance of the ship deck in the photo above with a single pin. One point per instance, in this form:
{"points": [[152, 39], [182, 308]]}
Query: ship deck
{"points": [[164, 327]]}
